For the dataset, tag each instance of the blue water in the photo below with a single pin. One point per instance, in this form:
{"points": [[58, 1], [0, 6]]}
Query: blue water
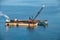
{"points": [[50, 13]]}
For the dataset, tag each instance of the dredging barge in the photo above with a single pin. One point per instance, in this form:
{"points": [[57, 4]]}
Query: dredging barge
{"points": [[28, 23], [25, 22]]}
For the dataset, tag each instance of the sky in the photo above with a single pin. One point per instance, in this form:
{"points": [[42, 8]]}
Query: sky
{"points": [[28, 2]]}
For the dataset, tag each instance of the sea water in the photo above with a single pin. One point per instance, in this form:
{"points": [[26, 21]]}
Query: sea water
{"points": [[50, 13]]}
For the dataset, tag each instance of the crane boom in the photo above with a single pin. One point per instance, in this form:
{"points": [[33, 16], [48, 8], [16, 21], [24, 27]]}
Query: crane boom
{"points": [[39, 12]]}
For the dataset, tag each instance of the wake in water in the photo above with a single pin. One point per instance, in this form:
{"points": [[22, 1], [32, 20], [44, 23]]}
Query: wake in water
{"points": [[4, 15]]}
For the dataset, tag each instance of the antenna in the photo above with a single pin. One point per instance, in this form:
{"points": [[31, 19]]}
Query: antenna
{"points": [[39, 12]]}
